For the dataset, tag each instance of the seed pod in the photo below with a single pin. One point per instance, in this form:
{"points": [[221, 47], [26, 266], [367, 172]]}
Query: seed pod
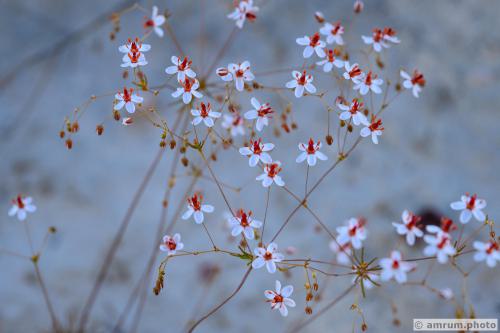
{"points": [[182, 149], [116, 115], [315, 286], [358, 6], [213, 157], [342, 123], [99, 129], [329, 140], [320, 18], [69, 143], [163, 144], [172, 144], [398, 86], [52, 230], [308, 310], [294, 126], [364, 327], [62, 134], [185, 161], [309, 296], [349, 128]]}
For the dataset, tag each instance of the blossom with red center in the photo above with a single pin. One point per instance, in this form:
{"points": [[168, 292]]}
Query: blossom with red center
{"points": [[310, 151], [300, 82], [374, 129], [234, 123], [415, 82], [489, 252], [354, 232], [188, 89], [267, 256], [470, 205], [353, 111], [395, 268], [22, 205], [439, 245], [342, 251], [257, 151], [196, 208], [381, 38], [181, 67], [245, 10], [369, 82], [155, 22], [280, 298], [330, 61], [333, 33], [244, 223], [353, 72], [128, 99], [238, 72], [171, 244], [134, 46], [271, 174], [261, 112], [204, 113], [312, 44], [134, 53], [410, 227]]}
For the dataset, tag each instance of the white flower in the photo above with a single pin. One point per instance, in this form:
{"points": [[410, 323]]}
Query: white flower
{"points": [[446, 293], [244, 10], [439, 245], [489, 252], [354, 112], [235, 123], [310, 151], [395, 267], [354, 232], [270, 175], [369, 82], [415, 82], [268, 257], [280, 298], [188, 90], [312, 44], [257, 151], [330, 61], [333, 33], [196, 209], [353, 72], [374, 129], [128, 99], [182, 67], [155, 22], [342, 251], [244, 223], [171, 244], [134, 46], [381, 38], [133, 60], [134, 53], [204, 113], [409, 227], [237, 72], [470, 205], [300, 82], [21, 206], [261, 113]]}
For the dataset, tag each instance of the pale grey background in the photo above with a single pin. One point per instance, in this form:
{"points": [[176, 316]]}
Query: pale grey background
{"points": [[434, 149]]}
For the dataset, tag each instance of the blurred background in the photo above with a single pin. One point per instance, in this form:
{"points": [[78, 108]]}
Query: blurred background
{"points": [[433, 149]]}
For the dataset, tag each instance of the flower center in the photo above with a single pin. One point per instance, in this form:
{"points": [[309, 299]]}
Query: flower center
{"points": [[171, 244], [20, 202], [268, 256]]}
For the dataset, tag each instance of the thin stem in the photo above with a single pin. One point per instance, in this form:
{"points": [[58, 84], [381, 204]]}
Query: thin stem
{"points": [[215, 309], [103, 272]]}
